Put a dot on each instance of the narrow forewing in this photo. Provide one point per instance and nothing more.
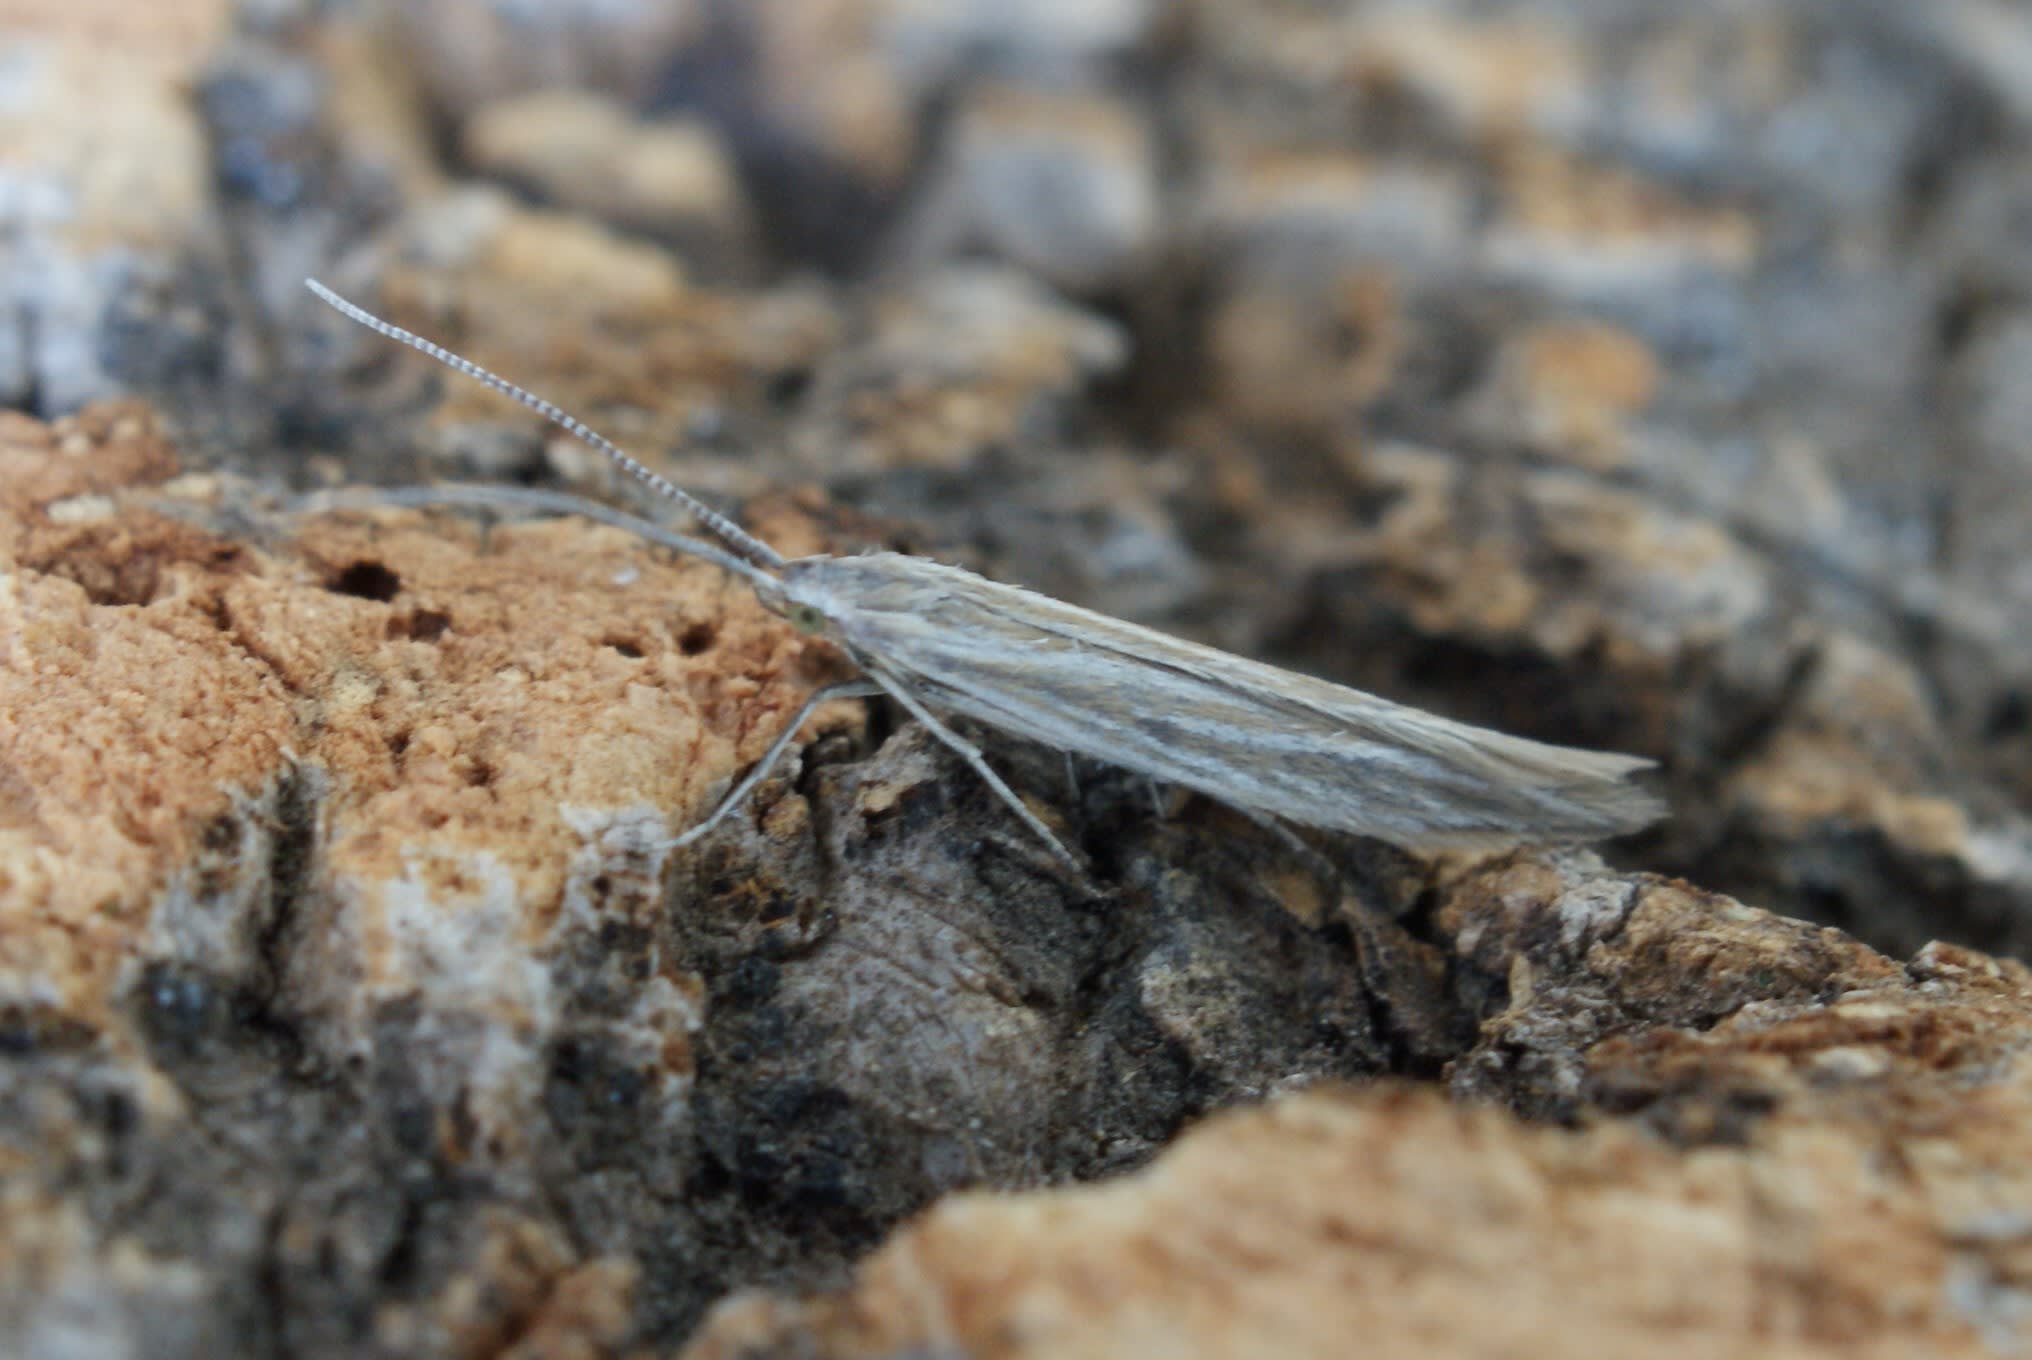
(1252, 735)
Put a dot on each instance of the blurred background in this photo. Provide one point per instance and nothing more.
(1628, 374)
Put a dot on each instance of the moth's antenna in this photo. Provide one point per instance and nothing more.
(728, 532)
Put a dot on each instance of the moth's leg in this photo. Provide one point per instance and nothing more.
(1277, 827)
(1157, 800)
(900, 692)
(1071, 777)
(846, 689)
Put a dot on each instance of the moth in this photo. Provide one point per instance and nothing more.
(1271, 743)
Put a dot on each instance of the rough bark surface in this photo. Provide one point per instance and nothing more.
(1628, 376)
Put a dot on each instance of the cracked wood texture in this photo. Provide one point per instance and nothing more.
(1638, 377)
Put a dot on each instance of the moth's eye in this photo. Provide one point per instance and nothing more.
(805, 619)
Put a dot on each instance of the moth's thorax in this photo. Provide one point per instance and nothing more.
(843, 587)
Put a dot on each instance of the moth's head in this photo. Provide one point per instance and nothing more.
(800, 597)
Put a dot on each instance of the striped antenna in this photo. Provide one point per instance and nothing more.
(744, 544)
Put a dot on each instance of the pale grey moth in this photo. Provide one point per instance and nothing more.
(1269, 742)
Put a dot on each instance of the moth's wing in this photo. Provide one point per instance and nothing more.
(1249, 734)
